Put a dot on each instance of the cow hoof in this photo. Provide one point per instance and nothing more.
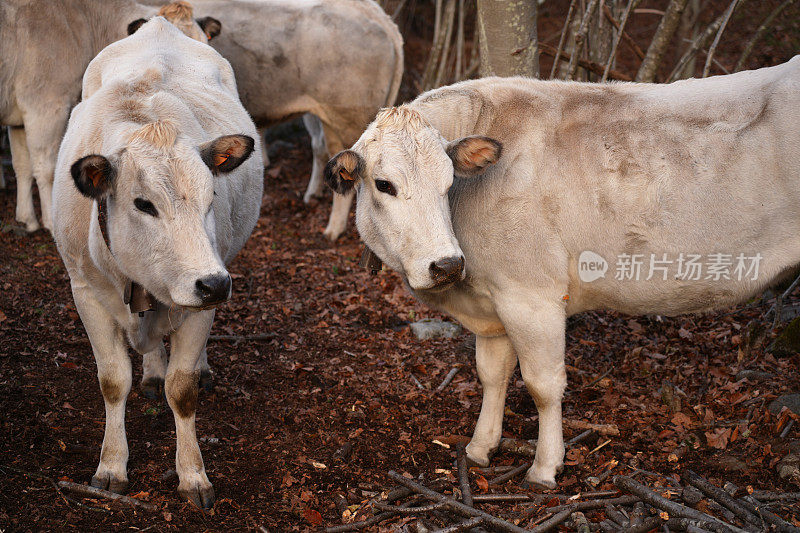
(539, 482)
(107, 481)
(478, 457)
(201, 497)
(153, 388)
(31, 227)
(206, 381)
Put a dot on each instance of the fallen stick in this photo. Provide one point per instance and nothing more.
(588, 505)
(241, 338)
(405, 510)
(580, 438)
(518, 447)
(486, 498)
(615, 515)
(447, 379)
(463, 475)
(606, 430)
(417, 382)
(466, 525)
(455, 505)
(502, 478)
(94, 492)
(393, 495)
(552, 523)
(643, 526)
(692, 478)
(772, 496)
(673, 508)
(580, 523)
(754, 505)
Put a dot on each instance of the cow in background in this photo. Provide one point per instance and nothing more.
(336, 62)
(46, 47)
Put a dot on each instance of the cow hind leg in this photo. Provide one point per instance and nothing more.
(320, 154)
(496, 361)
(262, 138)
(340, 210)
(206, 375)
(21, 162)
(154, 369)
(537, 332)
(181, 386)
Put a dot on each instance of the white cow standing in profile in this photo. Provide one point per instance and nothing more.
(545, 171)
(158, 185)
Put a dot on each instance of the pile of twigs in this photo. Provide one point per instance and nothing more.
(692, 504)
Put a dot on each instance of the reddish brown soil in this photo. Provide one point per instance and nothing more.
(337, 371)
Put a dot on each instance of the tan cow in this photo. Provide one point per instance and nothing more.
(155, 191)
(338, 60)
(642, 198)
(46, 47)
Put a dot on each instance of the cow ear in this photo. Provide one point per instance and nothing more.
(93, 175)
(225, 153)
(472, 155)
(210, 26)
(343, 171)
(135, 25)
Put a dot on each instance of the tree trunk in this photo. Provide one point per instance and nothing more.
(662, 38)
(508, 38)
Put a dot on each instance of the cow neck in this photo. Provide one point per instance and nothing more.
(135, 296)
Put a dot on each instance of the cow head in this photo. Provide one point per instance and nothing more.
(180, 14)
(159, 190)
(403, 169)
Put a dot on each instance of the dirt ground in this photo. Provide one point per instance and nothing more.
(336, 368)
(338, 371)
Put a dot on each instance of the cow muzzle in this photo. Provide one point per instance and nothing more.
(446, 271)
(213, 290)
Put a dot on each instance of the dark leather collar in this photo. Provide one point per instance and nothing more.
(370, 261)
(135, 296)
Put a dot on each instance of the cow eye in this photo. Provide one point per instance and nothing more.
(385, 186)
(145, 206)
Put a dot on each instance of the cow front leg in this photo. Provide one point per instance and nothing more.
(496, 361)
(536, 330)
(181, 386)
(21, 162)
(154, 369)
(115, 376)
(320, 154)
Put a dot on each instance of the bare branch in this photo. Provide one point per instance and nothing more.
(564, 32)
(710, 56)
(661, 39)
(701, 42)
(597, 68)
(456, 506)
(580, 38)
(94, 492)
(762, 29)
(620, 34)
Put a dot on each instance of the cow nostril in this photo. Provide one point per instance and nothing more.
(446, 270)
(214, 288)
